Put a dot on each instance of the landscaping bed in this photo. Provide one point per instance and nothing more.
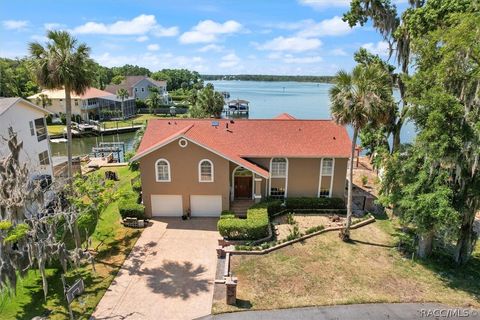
(284, 225)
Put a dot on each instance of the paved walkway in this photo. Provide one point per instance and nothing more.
(378, 311)
(168, 275)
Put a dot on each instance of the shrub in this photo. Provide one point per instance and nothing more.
(364, 180)
(294, 233)
(227, 214)
(254, 227)
(290, 219)
(137, 186)
(314, 203)
(314, 229)
(128, 207)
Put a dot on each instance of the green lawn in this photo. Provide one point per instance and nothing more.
(55, 129)
(114, 242)
(326, 271)
(138, 120)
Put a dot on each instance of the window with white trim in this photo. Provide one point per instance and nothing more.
(32, 129)
(327, 167)
(205, 171)
(279, 168)
(162, 170)
(40, 129)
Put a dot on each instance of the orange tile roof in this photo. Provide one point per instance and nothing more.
(239, 140)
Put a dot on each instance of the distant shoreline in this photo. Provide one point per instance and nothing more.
(269, 78)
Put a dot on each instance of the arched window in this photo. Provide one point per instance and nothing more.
(162, 170)
(205, 171)
(279, 168)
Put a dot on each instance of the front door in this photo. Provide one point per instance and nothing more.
(243, 188)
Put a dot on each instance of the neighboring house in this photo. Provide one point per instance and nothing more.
(202, 166)
(94, 104)
(138, 87)
(28, 122)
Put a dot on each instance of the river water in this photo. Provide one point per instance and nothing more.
(303, 100)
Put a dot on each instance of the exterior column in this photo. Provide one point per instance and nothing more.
(258, 189)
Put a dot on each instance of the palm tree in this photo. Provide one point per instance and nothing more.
(63, 64)
(210, 102)
(356, 100)
(122, 94)
(154, 99)
(43, 100)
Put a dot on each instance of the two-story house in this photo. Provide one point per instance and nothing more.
(28, 122)
(139, 87)
(94, 104)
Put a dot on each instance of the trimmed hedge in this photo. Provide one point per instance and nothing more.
(254, 227)
(314, 203)
(227, 214)
(129, 208)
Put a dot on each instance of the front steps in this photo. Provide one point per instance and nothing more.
(240, 207)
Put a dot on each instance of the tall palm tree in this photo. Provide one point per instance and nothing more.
(43, 100)
(63, 64)
(356, 100)
(122, 94)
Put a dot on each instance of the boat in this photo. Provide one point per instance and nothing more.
(59, 140)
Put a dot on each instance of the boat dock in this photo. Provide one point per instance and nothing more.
(236, 107)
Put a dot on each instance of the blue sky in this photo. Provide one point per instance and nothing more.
(214, 37)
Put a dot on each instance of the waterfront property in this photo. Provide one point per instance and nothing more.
(28, 123)
(94, 104)
(139, 87)
(204, 166)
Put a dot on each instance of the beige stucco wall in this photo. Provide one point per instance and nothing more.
(58, 106)
(184, 174)
(339, 177)
(303, 177)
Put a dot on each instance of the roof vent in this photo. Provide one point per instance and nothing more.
(215, 123)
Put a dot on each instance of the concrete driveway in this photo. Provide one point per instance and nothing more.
(168, 275)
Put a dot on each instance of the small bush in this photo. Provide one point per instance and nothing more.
(290, 219)
(137, 186)
(364, 180)
(314, 203)
(294, 233)
(314, 229)
(128, 207)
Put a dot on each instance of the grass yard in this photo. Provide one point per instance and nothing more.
(138, 120)
(325, 271)
(113, 243)
(55, 129)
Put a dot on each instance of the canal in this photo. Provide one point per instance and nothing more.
(82, 146)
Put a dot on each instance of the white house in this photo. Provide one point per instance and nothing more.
(28, 122)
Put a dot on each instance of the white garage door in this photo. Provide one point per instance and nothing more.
(167, 205)
(206, 206)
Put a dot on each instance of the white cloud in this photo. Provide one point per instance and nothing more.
(328, 27)
(208, 31)
(302, 60)
(230, 60)
(142, 39)
(380, 48)
(211, 47)
(294, 44)
(291, 59)
(54, 26)
(160, 31)
(338, 52)
(322, 4)
(153, 47)
(15, 24)
(137, 26)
